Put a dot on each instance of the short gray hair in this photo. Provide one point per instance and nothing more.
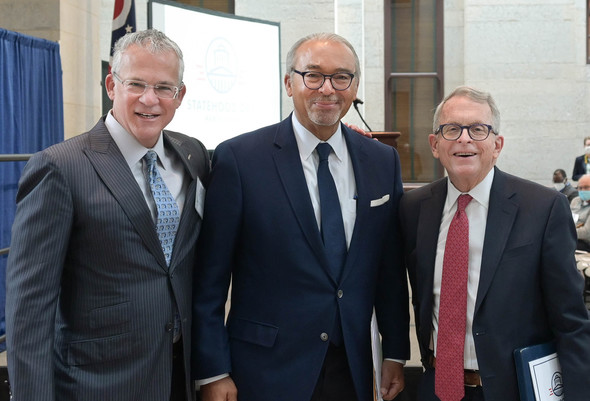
(331, 37)
(475, 95)
(153, 41)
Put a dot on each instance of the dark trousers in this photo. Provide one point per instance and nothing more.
(335, 381)
(178, 390)
(426, 389)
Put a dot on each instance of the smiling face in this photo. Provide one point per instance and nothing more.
(467, 161)
(320, 110)
(145, 116)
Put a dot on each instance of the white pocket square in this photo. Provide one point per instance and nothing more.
(380, 201)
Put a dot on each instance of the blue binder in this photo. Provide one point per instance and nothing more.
(522, 357)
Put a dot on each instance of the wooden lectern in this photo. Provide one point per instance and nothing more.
(386, 137)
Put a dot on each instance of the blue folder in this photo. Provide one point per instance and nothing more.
(522, 357)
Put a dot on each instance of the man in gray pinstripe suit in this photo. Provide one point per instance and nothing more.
(94, 311)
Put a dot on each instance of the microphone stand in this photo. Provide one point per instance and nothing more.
(356, 102)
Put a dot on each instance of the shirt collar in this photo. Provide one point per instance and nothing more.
(131, 149)
(481, 192)
(307, 142)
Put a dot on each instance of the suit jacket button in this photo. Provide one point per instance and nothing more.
(340, 293)
(324, 336)
(169, 326)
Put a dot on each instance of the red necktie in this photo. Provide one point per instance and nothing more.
(452, 313)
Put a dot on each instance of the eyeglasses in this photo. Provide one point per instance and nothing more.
(452, 132)
(340, 81)
(135, 87)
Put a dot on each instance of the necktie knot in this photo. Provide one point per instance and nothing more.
(463, 201)
(151, 158)
(324, 150)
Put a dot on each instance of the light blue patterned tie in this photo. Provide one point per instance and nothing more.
(168, 213)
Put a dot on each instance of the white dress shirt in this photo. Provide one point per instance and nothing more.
(169, 164)
(340, 167)
(477, 213)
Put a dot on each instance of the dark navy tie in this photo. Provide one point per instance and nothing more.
(332, 227)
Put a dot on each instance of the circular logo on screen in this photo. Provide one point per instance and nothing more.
(221, 65)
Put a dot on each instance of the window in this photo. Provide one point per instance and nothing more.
(414, 81)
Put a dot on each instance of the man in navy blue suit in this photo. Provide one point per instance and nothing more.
(522, 286)
(581, 163)
(299, 324)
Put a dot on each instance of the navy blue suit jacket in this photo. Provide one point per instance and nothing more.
(579, 168)
(529, 292)
(260, 229)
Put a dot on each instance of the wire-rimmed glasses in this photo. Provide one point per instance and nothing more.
(136, 87)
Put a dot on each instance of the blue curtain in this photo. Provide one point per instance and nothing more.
(31, 118)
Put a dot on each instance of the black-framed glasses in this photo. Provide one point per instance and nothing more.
(313, 80)
(477, 132)
(136, 87)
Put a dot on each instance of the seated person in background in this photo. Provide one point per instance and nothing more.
(582, 163)
(580, 210)
(562, 185)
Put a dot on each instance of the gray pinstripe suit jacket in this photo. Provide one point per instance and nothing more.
(90, 299)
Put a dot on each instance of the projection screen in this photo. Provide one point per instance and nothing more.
(232, 70)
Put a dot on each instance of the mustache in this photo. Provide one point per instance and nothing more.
(325, 99)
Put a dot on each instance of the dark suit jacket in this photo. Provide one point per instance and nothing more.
(579, 168)
(529, 290)
(90, 300)
(569, 191)
(260, 227)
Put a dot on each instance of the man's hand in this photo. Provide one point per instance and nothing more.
(220, 390)
(392, 379)
(359, 130)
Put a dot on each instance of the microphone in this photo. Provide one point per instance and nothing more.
(356, 103)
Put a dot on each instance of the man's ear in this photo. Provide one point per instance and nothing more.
(288, 87)
(433, 141)
(109, 83)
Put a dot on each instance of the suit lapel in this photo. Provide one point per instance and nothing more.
(110, 165)
(187, 228)
(183, 152)
(501, 215)
(288, 163)
(429, 217)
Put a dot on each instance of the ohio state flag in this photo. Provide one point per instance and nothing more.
(123, 22)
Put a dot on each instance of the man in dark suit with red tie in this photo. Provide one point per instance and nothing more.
(507, 276)
(302, 216)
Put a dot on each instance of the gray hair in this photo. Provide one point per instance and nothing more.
(475, 95)
(151, 40)
(331, 37)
